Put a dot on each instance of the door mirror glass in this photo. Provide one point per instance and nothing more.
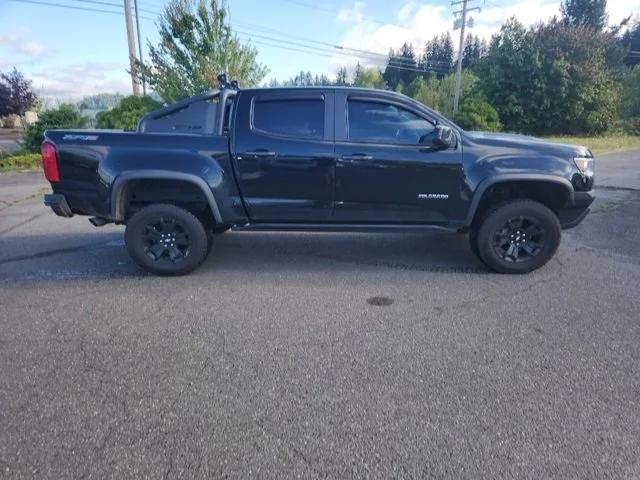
(441, 137)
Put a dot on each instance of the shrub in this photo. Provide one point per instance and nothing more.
(26, 161)
(127, 114)
(630, 94)
(631, 126)
(65, 116)
(438, 93)
(476, 114)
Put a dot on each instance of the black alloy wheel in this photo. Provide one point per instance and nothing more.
(166, 239)
(519, 240)
(516, 236)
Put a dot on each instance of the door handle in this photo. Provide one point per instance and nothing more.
(356, 157)
(261, 153)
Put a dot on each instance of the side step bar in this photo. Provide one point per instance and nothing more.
(340, 227)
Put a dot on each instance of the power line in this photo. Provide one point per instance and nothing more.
(328, 54)
(357, 51)
(279, 43)
(300, 3)
(110, 4)
(73, 7)
(333, 49)
(336, 49)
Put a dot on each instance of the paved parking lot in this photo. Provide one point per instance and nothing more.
(319, 355)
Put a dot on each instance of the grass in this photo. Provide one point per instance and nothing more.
(605, 144)
(19, 162)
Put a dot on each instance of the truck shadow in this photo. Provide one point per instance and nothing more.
(417, 252)
(104, 255)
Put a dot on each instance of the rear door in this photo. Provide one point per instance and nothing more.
(387, 169)
(283, 146)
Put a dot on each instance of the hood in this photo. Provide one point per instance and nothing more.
(526, 142)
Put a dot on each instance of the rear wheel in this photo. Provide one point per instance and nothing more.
(166, 240)
(473, 242)
(518, 236)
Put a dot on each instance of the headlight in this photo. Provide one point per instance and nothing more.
(586, 165)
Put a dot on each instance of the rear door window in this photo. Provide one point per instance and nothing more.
(301, 118)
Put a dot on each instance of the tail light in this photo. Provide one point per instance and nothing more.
(50, 162)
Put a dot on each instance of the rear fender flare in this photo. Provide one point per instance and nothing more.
(514, 177)
(118, 206)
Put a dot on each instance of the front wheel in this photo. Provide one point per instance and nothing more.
(166, 240)
(518, 236)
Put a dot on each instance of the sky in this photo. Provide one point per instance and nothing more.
(70, 53)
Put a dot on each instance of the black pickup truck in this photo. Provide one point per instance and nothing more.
(316, 159)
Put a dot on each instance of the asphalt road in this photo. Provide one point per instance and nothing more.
(319, 355)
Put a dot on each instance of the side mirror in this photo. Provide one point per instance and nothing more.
(443, 137)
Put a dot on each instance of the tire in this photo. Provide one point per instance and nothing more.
(166, 240)
(518, 236)
(473, 242)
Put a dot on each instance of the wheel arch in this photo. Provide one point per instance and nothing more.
(536, 183)
(126, 179)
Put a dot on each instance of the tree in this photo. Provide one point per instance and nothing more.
(438, 93)
(438, 55)
(101, 101)
(127, 114)
(16, 94)
(342, 77)
(510, 76)
(196, 44)
(5, 100)
(585, 13)
(474, 50)
(552, 78)
(402, 67)
(65, 116)
(476, 114)
(630, 94)
(630, 42)
(368, 78)
(583, 96)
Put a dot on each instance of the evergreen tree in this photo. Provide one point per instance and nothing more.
(402, 67)
(585, 13)
(630, 41)
(342, 77)
(474, 50)
(438, 56)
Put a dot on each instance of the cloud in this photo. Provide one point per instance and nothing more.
(16, 45)
(354, 14)
(417, 22)
(73, 81)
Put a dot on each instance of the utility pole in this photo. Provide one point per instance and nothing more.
(132, 47)
(463, 24)
(144, 83)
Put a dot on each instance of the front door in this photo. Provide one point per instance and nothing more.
(387, 169)
(284, 154)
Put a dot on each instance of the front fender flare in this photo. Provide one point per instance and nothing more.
(117, 198)
(514, 177)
